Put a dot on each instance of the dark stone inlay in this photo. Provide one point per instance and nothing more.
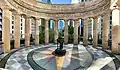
(49, 63)
(116, 60)
(32, 63)
(4, 60)
(74, 62)
(107, 67)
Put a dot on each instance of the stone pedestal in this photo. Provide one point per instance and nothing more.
(95, 32)
(17, 34)
(105, 31)
(27, 31)
(6, 29)
(46, 32)
(56, 31)
(66, 32)
(85, 33)
(59, 62)
(37, 31)
(76, 31)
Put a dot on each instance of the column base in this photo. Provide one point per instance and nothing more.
(94, 46)
(85, 44)
(46, 43)
(65, 43)
(37, 44)
(28, 46)
(75, 43)
(55, 42)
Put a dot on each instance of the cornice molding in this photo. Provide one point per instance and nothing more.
(66, 11)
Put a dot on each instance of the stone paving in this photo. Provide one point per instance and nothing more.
(77, 57)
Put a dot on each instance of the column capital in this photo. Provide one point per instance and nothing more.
(86, 20)
(95, 17)
(66, 20)
(115, 7)
(105, 13)
(26, 16)
(56, 20)
(5, 7)
(37, 18)
(118, 8)
(16, 13)
(47, 19)
(76, 19)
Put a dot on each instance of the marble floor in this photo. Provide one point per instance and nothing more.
(78, 57)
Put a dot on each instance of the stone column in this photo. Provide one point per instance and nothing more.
(17, 34)
(116, 31)
(66, 32)
(37, 22)
(27, 31)
(85, 33)
(6, 29)
(95, 32)
(56, 31)
(80, 27)
(105, 31)
(76, 31)
(46, 32)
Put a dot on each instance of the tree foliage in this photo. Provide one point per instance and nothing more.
(51, 36)
(70, 34)
(41, 35)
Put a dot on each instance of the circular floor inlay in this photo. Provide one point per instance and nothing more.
(75, 58)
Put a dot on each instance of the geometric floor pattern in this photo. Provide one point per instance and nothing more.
(77, 57)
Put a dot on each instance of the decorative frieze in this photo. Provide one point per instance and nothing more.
(91, 8)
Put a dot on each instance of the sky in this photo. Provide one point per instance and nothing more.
(61, 1)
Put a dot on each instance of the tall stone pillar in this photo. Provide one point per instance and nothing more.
(116, 31)
(17, 34)
(37, 22)
(56, 31)
(27, 31)
(6, 29)
(76, 31)
(105, 31)
(46, 32)
(95, 32)
(66, 32)
(80, 27)
(85, 33)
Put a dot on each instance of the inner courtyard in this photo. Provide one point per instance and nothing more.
(41, 35)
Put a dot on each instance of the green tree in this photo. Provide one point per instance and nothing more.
(51, 36)
(61, 34)
(70, 34)
(41, 35)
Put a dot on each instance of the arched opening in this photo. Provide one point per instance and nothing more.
(42, 31)
(61, 28)
(70, 31)
(51, 31)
